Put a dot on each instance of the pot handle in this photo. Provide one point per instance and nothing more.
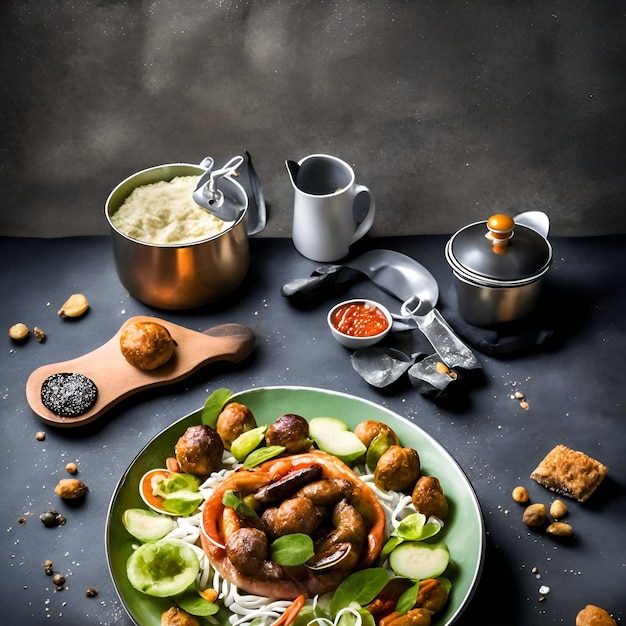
(537, 220)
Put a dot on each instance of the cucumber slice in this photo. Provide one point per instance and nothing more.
(147, 525)
(417, 559)
(163, 568)
(246, 442)
(332, 435)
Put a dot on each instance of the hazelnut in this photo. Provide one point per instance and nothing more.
(535, 515)
(520, 494)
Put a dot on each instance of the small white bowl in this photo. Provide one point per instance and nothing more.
(359, 341)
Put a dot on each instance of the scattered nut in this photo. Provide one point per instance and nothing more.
(40, 435)
(442, 368)
(593, 615)
(75, 306)
(50, 518)
(71, 468)
(18, 332)
(559, 529)
(524, 405)
(58, 580)
(39, 334)
(519, 395)
(91, 592)
(535, 515)
(520, 494)
(558, 509)
(48, 571)
(47, 563)
(70, 488)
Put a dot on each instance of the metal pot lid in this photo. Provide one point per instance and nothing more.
(499, 251)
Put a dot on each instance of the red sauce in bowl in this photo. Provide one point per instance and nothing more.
(359, 319)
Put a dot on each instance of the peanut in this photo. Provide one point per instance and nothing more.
(558, 509)
(75, 306)
(535, 515)
(560, 529)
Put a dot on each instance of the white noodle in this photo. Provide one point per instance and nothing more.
(249, 607)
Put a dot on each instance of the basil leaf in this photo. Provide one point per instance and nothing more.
(361, 587)
(408, 599)
(214, 405)
(196, 605)
(231, 499)
(392, 543)
(293, 549)
(262, 454)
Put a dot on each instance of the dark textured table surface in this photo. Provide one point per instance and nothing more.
(574, 387)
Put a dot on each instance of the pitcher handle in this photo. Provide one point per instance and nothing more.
(368, 220)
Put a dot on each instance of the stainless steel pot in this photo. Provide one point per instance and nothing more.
(498, 267)
(180, 276)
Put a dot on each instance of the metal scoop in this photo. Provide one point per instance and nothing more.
(209, 197)
(405, 278)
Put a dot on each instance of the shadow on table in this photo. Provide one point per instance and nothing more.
(494, 599)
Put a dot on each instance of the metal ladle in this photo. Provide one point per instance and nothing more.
(209, 197)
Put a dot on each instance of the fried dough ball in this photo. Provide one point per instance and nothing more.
(234, 420)
(147, 345)
(428, 497)
(199, 451)
(291, 431)
(178, 617)
(397, 469)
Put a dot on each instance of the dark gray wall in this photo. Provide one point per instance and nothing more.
(449, 111)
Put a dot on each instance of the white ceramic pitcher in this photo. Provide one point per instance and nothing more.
(324, 222)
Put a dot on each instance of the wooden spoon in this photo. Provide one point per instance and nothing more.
(116, 379)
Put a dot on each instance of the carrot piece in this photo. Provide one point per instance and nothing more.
(210, 595)
(172, 464)
(291, 612)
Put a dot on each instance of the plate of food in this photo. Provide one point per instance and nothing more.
(310, 505)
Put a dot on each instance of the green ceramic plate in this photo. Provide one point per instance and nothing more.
(464, 532)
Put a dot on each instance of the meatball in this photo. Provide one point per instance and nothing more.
(248, 550)
(367, 430)
(397, 469)
(290, 431)
(234, 420)
(199, 451)
(428, 497)
(295, 515)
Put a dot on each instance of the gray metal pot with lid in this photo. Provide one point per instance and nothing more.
(499, 265)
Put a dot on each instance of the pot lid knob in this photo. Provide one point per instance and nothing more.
(500, 230)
